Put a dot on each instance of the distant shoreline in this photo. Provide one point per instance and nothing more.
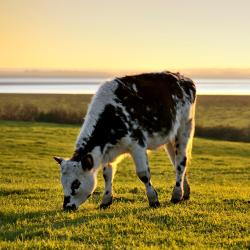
(78, 85)
(96, 80)
(218, 73)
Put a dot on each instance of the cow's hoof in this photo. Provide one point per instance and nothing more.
(106, 202)
(175, 201)
(155, 204)
(177, 195)
(106, 205)
(186, 197)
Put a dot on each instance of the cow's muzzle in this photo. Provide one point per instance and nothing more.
(67, 207)
(70, 208)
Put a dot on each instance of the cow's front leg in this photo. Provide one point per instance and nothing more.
(108, 175)
(140, 157)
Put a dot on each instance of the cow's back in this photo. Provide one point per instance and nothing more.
(152, 99)
(138, 107)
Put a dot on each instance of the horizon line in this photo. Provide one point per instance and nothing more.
(194, 72)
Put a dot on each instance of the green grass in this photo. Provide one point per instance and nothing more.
(31, 216)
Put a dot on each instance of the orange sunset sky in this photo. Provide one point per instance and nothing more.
(124, 35)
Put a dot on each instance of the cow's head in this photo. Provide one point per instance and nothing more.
(78, 180)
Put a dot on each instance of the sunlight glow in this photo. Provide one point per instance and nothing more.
(112, 35)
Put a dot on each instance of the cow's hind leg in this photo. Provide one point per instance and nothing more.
(183, 146)
(172, 150)
(108, 175)
(140, 157)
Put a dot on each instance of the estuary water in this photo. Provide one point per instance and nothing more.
(68, 85)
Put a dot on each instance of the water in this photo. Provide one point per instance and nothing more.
(50, 85)
(90, 85)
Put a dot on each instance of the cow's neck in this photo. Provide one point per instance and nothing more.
(97, 156)
(92, 143)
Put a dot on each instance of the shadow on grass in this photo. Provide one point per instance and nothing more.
(28, 225)
(29, 230)
(42, 224)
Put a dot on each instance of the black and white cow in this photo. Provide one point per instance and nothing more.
(130, 115)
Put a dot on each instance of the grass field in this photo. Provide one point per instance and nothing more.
(31, 216)
(217, 117)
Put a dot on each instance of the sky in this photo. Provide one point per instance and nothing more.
(124, 35)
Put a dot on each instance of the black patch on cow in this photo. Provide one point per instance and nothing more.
(138, 136)
(144, 179)
(87, 162)
(105, 177)
(76, 155)
(189, 88)
(75, 185)
(183, 163)
(70, 208)
(102, 133)
(66, 201)
(178, 184)
(111, 119)
(148, 95)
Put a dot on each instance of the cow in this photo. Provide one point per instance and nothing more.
(132, 114)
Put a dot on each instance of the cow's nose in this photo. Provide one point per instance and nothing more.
(69, 208)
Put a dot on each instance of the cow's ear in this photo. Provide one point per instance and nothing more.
(87, 162)
(58, 159)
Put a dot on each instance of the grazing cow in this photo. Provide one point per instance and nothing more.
(130, 115)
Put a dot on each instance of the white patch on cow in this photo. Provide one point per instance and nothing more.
(105, 95)
(120, 148)
(96, 154)
(175, 98)
(135, 125)
(134, 87)
(124, 111)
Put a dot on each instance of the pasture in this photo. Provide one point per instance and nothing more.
(211, 111)
(31, 216)
(217, 117)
